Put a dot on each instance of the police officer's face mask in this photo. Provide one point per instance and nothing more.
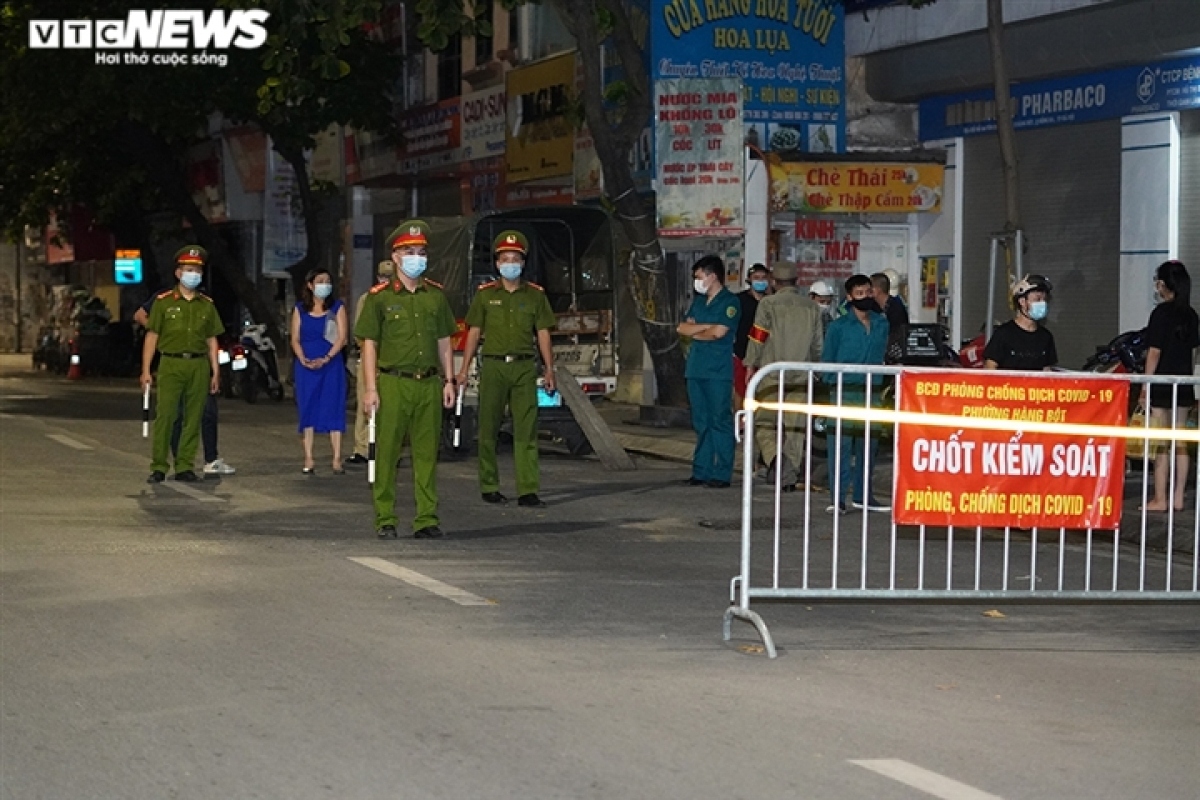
(412, 266)
(510, 271)
(190, 279)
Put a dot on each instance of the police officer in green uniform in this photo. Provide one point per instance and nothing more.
(509, 313)
(183, 327)
(408, 368)
(711, 322)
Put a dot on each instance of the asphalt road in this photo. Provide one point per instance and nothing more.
(250, 638)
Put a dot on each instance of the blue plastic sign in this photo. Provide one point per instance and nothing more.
(127, 266)
(789, 54)
(1163, 86)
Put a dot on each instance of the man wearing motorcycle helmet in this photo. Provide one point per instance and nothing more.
(1024, 343)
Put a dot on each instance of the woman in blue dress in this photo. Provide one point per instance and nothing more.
(319, 335)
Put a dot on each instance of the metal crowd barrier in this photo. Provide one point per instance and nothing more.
(798, 551)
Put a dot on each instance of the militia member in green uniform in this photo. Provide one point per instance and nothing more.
(183, 327)
(509, 313)
(407, 368)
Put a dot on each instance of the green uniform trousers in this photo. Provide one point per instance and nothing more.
(513, 384)
(766, 434)
(409, 409)
(179, 379)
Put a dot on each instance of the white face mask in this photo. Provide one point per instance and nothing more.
(700, 285)
(412, 266)
(191, 280)
(323, 290)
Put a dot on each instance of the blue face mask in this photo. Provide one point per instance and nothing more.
(412, 266)
(510, 272)
(190, 280)
(323, 290)
(1037, 310)
(759, 286)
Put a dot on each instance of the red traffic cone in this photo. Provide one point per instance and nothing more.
(76, 370)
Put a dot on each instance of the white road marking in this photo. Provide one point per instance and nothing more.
(460, 596)
(195, 494)
(922, 779)
(24, 397)
(62, 438)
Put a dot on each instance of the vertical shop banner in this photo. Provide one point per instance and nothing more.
(1023, 478)
(790, 57)
(539, 135)
(482, 124)
(700, 164)
(826, 248)
(285, 240)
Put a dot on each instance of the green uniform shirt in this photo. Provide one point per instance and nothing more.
(182, 325)
(508, 319)
(406, 325)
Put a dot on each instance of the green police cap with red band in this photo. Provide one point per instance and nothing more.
(510, 242)
(191, 256)
(414, 233)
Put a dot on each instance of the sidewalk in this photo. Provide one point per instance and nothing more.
(11, 363)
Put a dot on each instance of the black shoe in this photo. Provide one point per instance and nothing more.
(717, 484)
(494, 498)
(788, 487)
(531, 501)
(187, 476)
(356, 460)
(694, 482)
(387, 532)
(432, 532)
(156, 477)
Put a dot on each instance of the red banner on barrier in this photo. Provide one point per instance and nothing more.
(968, 477)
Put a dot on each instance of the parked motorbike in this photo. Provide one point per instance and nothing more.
(261, 370)
(1124, 354)
(231, 358)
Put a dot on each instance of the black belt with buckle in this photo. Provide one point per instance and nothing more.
(510, 359)
(184, 355)
(419, 375)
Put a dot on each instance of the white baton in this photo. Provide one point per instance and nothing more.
(371, 448)
(146, 413)
(458, 418)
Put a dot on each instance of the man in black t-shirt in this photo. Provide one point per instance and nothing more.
(1023, 343)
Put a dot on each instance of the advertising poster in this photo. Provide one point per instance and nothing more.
(1025, 478)
(790, 57)
(284, 238)
(431, 136)
(856, 188)
(539, 135)
(700, 165)
(826, 248)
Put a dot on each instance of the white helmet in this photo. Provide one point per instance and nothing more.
(893, 281)
(821, 289)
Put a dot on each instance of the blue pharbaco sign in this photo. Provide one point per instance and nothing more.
(1163, 86)
(789, 54)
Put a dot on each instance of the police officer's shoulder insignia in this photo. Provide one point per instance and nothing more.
(534, 285)
(379, 287)
(206, 297)
(164, 295)
(488, 285)
(434, 284)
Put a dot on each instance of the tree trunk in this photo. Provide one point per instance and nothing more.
(145, 147)
(648, 279)
(1004, 117)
